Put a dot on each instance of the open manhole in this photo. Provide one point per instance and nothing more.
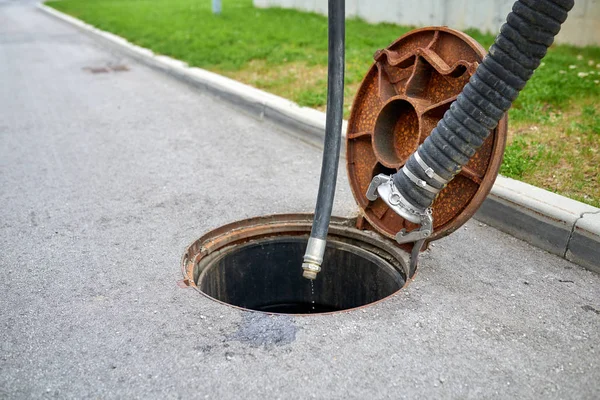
(256, 265)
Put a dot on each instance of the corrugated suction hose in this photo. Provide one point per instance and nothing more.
(517, 51)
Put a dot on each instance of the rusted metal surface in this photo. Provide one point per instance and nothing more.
(401, 99)
(202, 251)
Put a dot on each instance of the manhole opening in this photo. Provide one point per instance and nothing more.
(265, 275)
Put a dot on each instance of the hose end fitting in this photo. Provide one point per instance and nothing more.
(313, 257)
(309, 273)
(383, 186)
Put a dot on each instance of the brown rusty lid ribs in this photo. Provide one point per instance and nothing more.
(401, 99)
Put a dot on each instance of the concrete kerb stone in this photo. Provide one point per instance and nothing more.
(557, 224)
(258, 103)
(584, 246)
(540, 217)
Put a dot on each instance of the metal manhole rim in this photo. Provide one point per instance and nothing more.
(302, 224)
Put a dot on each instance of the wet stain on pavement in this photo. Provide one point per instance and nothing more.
(258, 329)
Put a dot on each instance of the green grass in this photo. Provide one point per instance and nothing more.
(521, 157)
(561, 154)
(554, 122)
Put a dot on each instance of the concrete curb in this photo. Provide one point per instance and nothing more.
(559, 225)
(256, 102)
(544, 219)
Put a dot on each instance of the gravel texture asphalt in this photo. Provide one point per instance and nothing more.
(106, 177)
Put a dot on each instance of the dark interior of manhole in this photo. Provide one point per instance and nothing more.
(266, 275)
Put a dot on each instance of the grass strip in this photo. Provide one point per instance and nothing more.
(555, 123)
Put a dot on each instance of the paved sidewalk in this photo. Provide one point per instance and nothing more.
(106, 177)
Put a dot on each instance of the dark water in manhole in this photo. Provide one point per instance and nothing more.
(266, 275)
(296, 308)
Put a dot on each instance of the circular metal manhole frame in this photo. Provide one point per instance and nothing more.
(405, 67)
(221, 240)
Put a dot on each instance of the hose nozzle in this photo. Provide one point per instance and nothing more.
(313, 258)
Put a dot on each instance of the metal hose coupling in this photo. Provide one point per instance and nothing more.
(313, 257)
(383, 186)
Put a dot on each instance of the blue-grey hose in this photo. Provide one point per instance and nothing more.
(333, 138)
(517, 51)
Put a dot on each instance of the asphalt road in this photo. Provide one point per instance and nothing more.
(106, 177)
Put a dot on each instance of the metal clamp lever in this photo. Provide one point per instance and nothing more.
(417, 236)
(423, 232)
(382, 185)
(377, 181)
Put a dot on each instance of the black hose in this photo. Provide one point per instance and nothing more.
(516, 53)
(313, 257)
(333, 123)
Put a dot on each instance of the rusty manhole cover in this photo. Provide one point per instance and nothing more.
(401, 99)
